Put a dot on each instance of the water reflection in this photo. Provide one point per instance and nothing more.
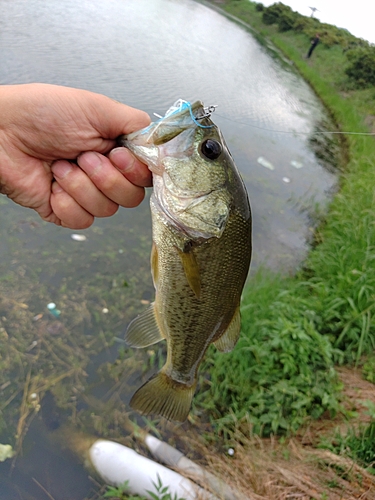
(147, 53)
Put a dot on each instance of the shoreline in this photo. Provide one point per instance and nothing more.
(329, 302)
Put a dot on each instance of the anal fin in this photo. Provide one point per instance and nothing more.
(143, 330)
(229, 339)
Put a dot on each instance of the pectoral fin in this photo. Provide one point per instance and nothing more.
(230, 337)
(143, 330)
(191, 269)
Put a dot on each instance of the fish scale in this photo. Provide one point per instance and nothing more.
(222, 281)
(201, 224)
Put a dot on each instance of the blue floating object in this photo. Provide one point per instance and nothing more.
(53, 310)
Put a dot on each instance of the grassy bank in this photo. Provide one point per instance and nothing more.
(297, 330)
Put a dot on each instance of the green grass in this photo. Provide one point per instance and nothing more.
(121, 492)
(296, 329)
(358, 443)
(281, 372)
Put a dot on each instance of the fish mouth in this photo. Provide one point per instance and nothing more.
(179, 117)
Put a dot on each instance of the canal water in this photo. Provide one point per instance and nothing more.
(73, 369)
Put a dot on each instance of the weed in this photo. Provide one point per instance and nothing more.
(162, 492)
(121, 492)
(281, 372)
(357, 443)
(368, 369)
(295, 330)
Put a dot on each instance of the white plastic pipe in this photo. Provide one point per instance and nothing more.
(116, 464)
(174, 458)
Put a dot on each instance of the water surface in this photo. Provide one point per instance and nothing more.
(148, 54)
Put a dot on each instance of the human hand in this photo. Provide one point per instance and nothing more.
(42, 127)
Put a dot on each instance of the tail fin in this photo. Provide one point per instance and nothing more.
(161, 395)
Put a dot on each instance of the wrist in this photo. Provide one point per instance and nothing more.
(4, 163)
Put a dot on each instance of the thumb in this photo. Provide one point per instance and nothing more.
(112, 118)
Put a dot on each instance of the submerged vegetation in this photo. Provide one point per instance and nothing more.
(44, 357)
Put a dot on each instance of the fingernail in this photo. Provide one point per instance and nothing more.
(89, 161)
(56, 188)
(123, 159)
(61, 168)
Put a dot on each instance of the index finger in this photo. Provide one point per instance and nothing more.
(135, 171)
(107, 179)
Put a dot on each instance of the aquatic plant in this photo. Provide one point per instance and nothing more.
(40, 353)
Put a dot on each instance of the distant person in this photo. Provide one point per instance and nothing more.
(57, 156)
(314, 43)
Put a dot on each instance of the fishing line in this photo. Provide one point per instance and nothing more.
(295, 133)
(181, 105)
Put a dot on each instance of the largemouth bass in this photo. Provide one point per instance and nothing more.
(201, 224)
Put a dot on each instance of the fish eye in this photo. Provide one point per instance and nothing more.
(211, 149)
